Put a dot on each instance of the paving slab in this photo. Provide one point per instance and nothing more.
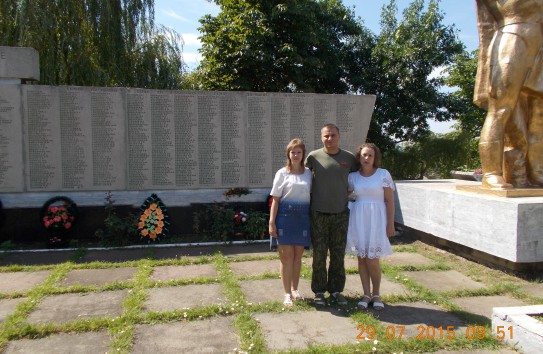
(351, 262)
(443, 281)
(415, 318)
(353, 287)
(8, 306)
(407, 259)
(298, 330)
(98, 276)
(21, 281)
(165, 273)
(184, 297)
(395, 259)
(533, 289)
(250, 249)
(73, 307)
(65, 343)
(258, 291)
(483, 305)
(307, 262)
(255, 267)
(122, 255)
(214, 335)
(119, 255)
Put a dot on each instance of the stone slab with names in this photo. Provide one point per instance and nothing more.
(77, 139)
(11, 140)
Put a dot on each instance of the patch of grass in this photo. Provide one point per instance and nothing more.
(244, 315)
(78, 255)
(405, 248)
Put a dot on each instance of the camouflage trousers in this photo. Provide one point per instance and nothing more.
(328, 233)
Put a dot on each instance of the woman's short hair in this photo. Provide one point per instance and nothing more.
(377, 152)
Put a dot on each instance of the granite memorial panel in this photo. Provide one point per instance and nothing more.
(11, 140)
(98, 139)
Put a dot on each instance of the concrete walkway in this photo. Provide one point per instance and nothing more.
(76, 298)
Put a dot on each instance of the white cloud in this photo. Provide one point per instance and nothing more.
(191, 39)
(174, 15)
(438, 72)
(192, 59)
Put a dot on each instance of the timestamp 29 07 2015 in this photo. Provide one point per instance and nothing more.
(433, 332)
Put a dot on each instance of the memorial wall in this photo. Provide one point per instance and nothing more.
(99, 139)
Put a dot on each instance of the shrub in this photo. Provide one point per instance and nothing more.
(219, 221)
(117, 231)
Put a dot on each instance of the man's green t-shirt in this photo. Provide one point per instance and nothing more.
(329, 189)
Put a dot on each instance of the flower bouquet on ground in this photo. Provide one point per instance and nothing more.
(240, 218)
(153, 220)
(251, 226)
(58, 216)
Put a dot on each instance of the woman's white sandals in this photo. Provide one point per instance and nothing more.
(377, 305)
(296, 296)
(363, 304)
(287, 301)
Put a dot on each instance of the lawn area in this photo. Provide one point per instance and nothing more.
(374, 335)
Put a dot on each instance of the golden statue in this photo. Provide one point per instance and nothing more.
(509, 85)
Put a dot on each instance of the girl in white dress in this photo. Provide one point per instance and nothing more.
(371, 221)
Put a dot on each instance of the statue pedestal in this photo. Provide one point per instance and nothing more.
(507, 193)
(484, 225)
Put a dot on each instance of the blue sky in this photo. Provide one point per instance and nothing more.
(183, 16)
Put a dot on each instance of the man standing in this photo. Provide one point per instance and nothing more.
(329, 214)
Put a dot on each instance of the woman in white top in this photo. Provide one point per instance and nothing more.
(371, 221)
(289, 217)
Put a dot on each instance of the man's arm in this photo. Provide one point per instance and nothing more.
(487, 25)
(308, 160)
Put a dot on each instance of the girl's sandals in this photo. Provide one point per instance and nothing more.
(287, 301)
(296, 296)
(363, 304)
(377, 305)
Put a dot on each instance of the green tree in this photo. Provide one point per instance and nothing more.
(462, 77)
(405, 59)
(95, 42)
(8, 12)
(319, 46)
(470, 117)
(432, 156)
(278, 46)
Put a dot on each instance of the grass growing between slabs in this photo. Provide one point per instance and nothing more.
(374, 335)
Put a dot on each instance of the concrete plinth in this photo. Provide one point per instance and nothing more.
(19, 63)
(517, 327)
(506, 228)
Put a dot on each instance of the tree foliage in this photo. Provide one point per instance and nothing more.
(319, 46)
(278, 46)
(462, 76)
(95, 42)
(432, 156)
(407, 55)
